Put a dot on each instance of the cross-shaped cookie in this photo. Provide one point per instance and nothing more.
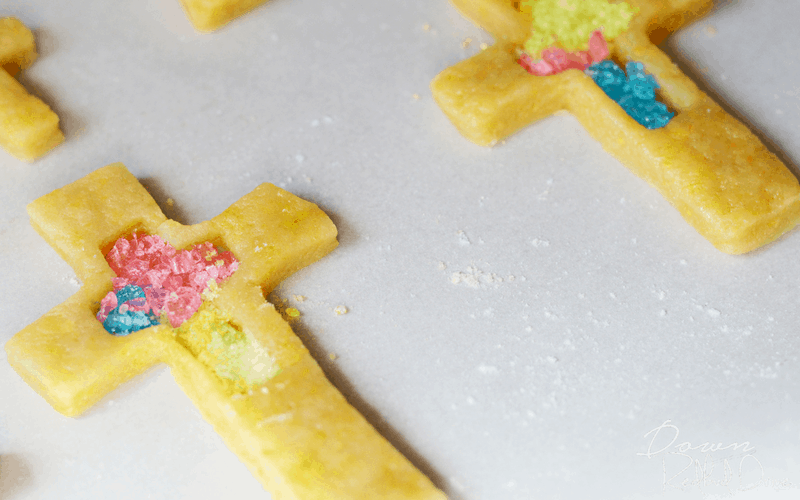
(295, 431)
(721, 178)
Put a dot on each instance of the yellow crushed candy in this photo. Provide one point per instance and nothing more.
(233, 355)
(569, 23)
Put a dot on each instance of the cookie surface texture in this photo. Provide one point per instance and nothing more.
(707, 164)
(28, 127)
(295, 431)
(208, 15)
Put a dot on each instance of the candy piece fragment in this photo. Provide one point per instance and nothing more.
(636, 94)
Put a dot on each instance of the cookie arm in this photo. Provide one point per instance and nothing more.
(28, 127)
(208, 15)
(17, 46)
(490, 96)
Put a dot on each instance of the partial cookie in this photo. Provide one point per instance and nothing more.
(720, 176)
(275, 409)
(208, 15)
(28, 127)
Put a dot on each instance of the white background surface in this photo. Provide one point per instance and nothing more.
(599, 313)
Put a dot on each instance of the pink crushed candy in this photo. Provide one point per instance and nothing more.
(555, 60)
(172, 280)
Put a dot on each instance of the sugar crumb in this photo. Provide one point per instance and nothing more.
(540, 243)
(475, 278)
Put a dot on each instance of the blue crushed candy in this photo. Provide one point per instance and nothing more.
(636, 93)
(122, 320)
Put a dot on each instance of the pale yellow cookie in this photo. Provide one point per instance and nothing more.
(28, 127)
(208, 15)
(295, 431)
(707, 164)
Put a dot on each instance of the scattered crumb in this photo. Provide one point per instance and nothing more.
(340, 310)
(170, 202)
(710, 30)
(415, 97)
(299, 298)
(466, 43)
(540, 243)
(292, 312)
(426, 27)
(487, 369)
(333, 356)
(475, 278)
(484, 46)
(441, 266)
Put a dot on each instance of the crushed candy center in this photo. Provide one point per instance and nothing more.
(569, 24)
(156, 283)
(573, 34)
